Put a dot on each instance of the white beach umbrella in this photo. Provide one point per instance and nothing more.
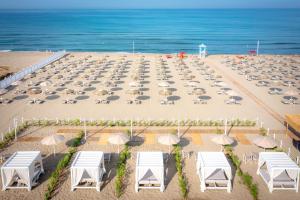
(163, 84)
(168, 139)
(134, 84)
(222, 84)
(265, 142)
(45, 83)
(118, 139)
(53, 140)
(192, 83)
(232, 93)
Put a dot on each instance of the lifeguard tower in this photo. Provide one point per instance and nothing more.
(202, 50)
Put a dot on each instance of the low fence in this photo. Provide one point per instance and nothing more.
(28, 70)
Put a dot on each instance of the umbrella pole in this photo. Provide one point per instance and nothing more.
(226, 127)
(178, 131)
(54, 150)
(131, 129)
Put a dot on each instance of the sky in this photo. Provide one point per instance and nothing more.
(145, 4)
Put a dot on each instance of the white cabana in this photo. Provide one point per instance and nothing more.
(278, 171)
(87, 170)
(149, 171)
(214, 171)
(22, 170)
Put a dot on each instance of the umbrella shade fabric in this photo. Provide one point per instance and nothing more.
(192, 83)
(118, 138)
(46, 83)
(168, 139)
(53, 139)
(163, 84)
(265, 142)
(134, 84)
(223, 139)
(232, 93)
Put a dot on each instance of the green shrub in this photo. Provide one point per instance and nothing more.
(181, 179)
(121, 171)
(246, 178)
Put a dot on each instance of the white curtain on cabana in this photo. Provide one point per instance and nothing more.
(87, 165)
(276, 163)
(208, 163)
(21, 164)
(152, 161)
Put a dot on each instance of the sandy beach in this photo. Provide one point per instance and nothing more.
(85, 73)
(150, 107)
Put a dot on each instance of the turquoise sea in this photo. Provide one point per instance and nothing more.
(158, 31)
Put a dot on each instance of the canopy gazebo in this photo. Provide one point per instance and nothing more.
(278, 171)
(214, 171)
(22, 170)
(87, 170)
(149, 171)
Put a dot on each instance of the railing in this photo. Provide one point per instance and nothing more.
(28, 70)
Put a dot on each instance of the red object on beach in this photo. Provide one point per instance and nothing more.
(181, 55)
(168, 56)
(252, 52)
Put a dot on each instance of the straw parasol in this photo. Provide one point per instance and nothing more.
(34, 91)
(168, 139)
(223, 140)
(101, 92)
(165, 92)
(265, 142)
(118, 139)
(133, 91)
(53, 140)
(198, 91)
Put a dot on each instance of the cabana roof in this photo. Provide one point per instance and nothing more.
(85, 159)
(21, 159)
(150, 159)
(213, 160)
(277, 160)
